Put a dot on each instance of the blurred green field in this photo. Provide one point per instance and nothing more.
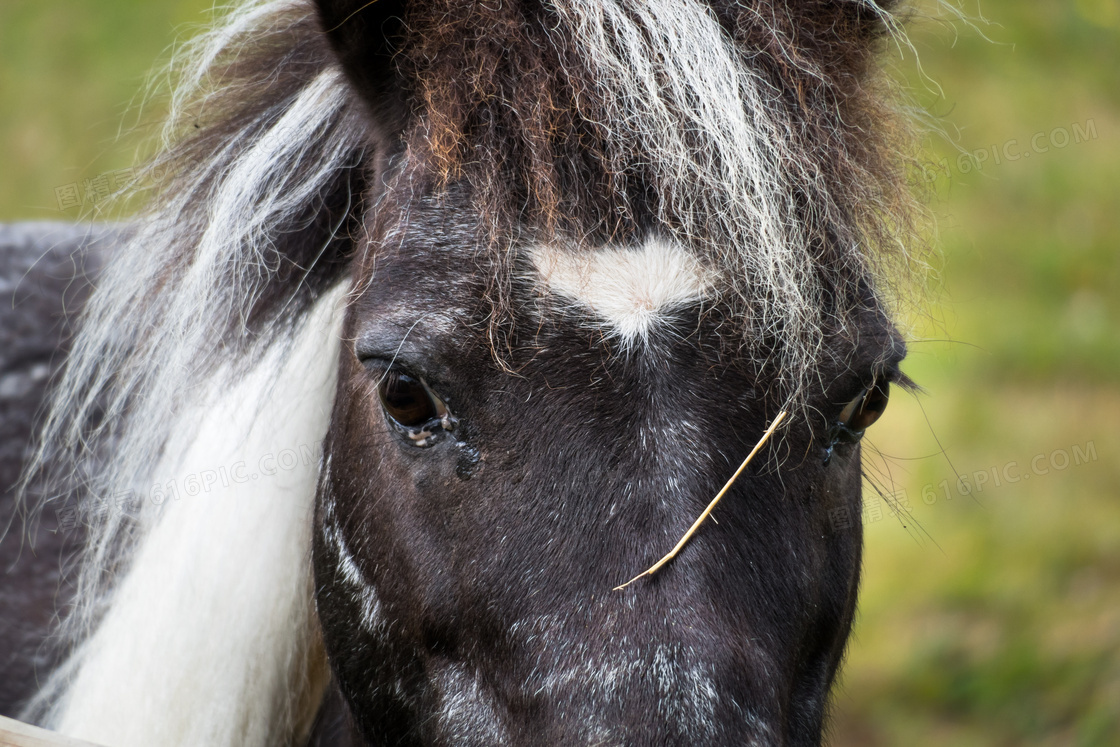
(997, 622)
(987, 618)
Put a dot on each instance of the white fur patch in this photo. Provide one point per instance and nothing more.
(611, 669)
(630, 291)
(467, 709)
(371, 614)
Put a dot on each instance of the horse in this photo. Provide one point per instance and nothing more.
(442, 321)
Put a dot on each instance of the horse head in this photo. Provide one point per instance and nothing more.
(539, 277)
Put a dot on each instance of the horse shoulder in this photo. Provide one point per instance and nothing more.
(46, 273)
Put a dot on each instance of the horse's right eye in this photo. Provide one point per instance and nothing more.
(414, 408)
(407, 400)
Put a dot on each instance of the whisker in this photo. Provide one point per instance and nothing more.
(904, 517)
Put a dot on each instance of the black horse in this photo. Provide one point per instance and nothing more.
(445, 320)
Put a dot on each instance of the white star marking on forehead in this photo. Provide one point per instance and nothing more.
(630, 290)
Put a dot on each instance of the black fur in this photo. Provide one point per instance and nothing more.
(493, 553)
(561, 482)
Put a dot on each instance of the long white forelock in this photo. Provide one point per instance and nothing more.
(211, 638)
(675, 86)
(146, 373)
(152, 351)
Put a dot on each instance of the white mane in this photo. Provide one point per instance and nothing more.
(193, 617)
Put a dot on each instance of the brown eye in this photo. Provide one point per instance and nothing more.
(857, 416)
(864, 410)
(407, 400)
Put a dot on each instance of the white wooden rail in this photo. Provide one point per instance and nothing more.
(18, 734)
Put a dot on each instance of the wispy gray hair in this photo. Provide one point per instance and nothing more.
(756, 135)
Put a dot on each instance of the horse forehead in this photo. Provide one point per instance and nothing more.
(629, 291)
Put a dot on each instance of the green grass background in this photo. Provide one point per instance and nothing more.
(985, 619)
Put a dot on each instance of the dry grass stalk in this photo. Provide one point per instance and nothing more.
(711, 506)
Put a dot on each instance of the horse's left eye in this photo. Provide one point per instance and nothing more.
(862, 412)
(858, 415)
(414, 407)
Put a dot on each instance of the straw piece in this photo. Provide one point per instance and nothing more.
(696, 524)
